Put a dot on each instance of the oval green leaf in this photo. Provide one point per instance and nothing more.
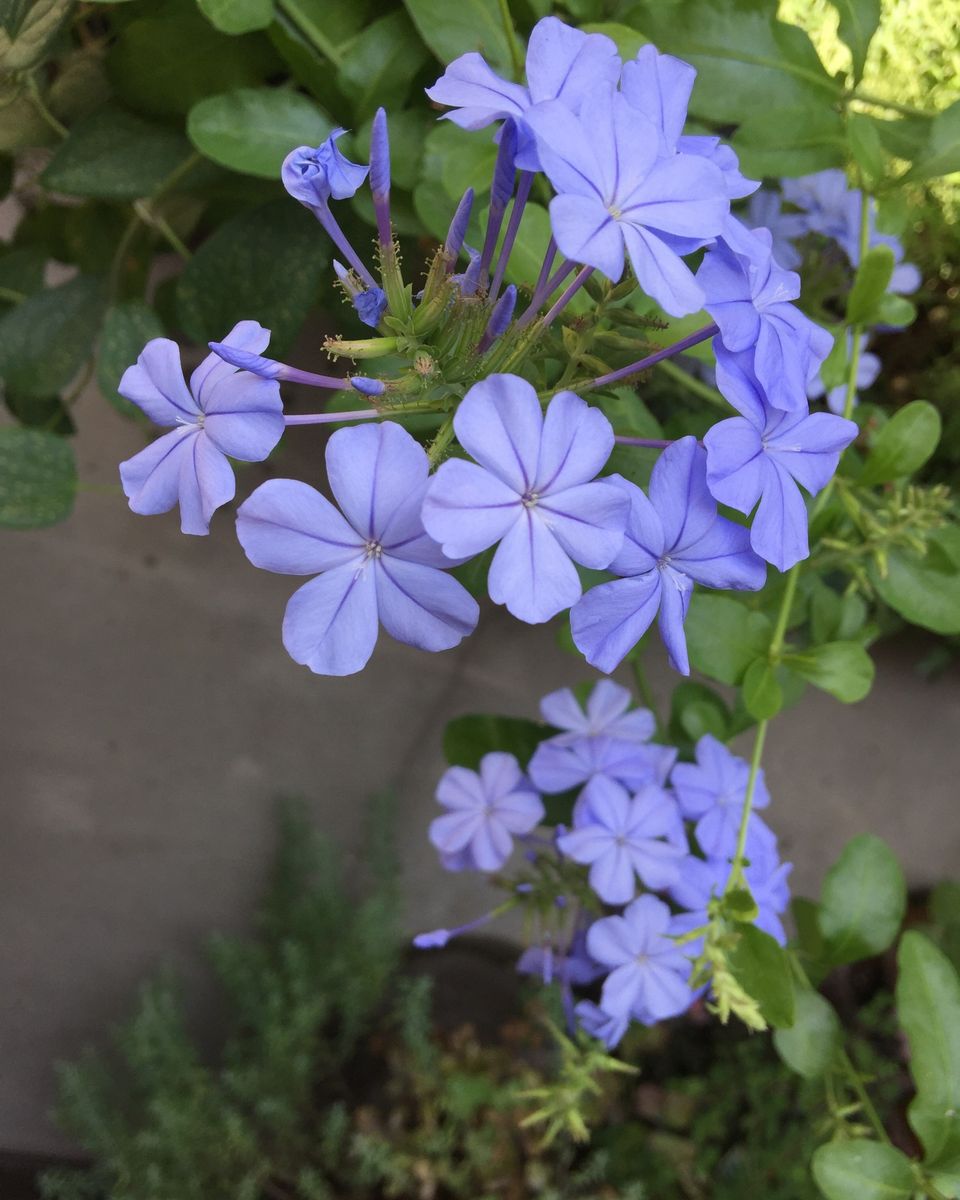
(38, 478)
(904, 444)
(862, 1170)
(863, 901)
(809, 1045)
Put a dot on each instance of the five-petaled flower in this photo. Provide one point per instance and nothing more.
(674, 539)
(764, 454)
(531, 490)
(374, 564)
(607, 713)
(314, 175)
(616, 196)
(485, 810)
(223, 412)
(623, 838)
(701, 880)
(649, 971)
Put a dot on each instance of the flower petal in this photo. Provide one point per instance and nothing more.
(679, 493)
(155, 384)
(331, 624)
(565, 150)
(375, 473)
(612, 617)
(779, 530)
(151, 479)
(467, 509)
(288, 527)
(245, 335)
(206, 483)
(736, 463)
(587, 233)
(643, 542)
(565, 64)
(481, 96)
(675, 592)
(661, 272)
(575, 444)
(422, 606)
(722, 558)
(244, 415)
(611, 941)
(659, 86)
(531, 574)
(587, 521)
(499, 423)
(612, 876)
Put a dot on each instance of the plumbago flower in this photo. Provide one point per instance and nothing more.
(748, 295)
(764, 454)
(868, 369)
(562, 64)
(223, 412)
(485, 810)
(604, 714)
(617, 196)
(531, 490)
(624, 838)
(374, 562)
(700, 880)
(674, 538)
(711, 792)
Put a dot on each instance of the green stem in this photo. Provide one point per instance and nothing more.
(440, 444)
(783, 616)
(12, 296)
(853, 1075)
(735, 878)
(311, 31)
(643, 686)
(692, 384)
(33, 91)
(516, 56)
(146, 214)
(906, 110)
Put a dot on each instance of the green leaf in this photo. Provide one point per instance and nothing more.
(408, 133)
(762, 969)
(905, 137)
(162, 64)
(762, 694)
(904, 444)
(870, 285)
(379, 65)
(863, 901)
(237, 16)
(810, 1044)
(266, 264)
(866, 147)
(696, 709)
(743, 56)
(253, 129)
(452, 29)
(45, 340)
(467, 739)
(457, 159)
(628, 40)
(126, 330)
(941, 153)
(114, 155)
(928, 1005)
(739, 905)
(858, 23)
(724, 637)
(895, 310)
(922, 588)
(861, 1170)
(844, 669)
(799, 140)
(38, 478)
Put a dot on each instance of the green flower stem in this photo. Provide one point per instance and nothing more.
(33, 91)
(516, 54)
(907, 110)
(856, 1082)
(735, 878)
(311, 31)
(441, 442)
(146, 214)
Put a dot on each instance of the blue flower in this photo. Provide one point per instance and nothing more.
(649, 971)
(749, 296)
(600, 1024)
(624, 838)
(562, 64)
(574, 966)
(673, 540)
(559, 765)
(711, 792)
(763, 455)
(617, 196)
(370, 304)
(530, 490)
(224, 411)
(484, 811)
(765, 210)
(374, 563)
(314, 175)
(605, 715)
(702, 879)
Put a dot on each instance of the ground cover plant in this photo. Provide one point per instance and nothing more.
(618, 387)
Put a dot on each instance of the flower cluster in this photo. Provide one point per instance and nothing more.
(517, 462)
(648, 836)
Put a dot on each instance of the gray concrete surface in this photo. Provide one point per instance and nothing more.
(151, 718)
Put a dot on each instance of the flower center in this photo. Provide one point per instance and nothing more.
(614, 211)
(372, 549)
(530, 499)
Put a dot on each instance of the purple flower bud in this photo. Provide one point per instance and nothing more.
(435, 940)
(469, 280)
(314, 175)
(458, 226)
(499, 319)
(379, 156)
(256, 364)
(370, 305)
(504, 172)
(344, 277)
(367, 387)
